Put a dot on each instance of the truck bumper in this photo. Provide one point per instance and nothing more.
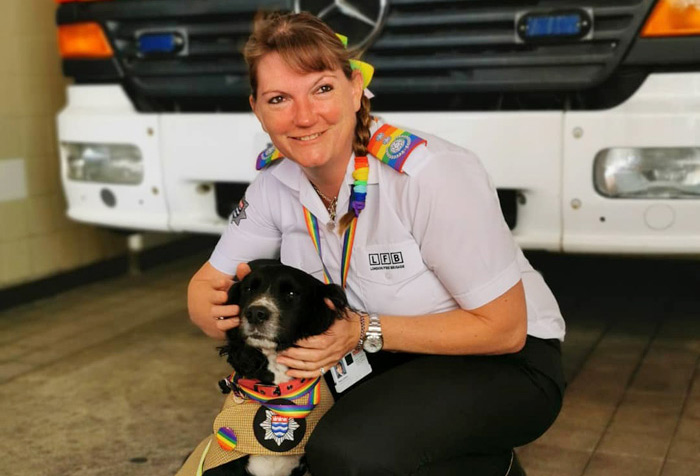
(665, 112)
(546, 156)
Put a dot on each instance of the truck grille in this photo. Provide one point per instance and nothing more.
(429, 49)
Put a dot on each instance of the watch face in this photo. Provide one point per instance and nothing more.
(373, 344)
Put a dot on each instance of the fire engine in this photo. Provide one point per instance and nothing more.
(586, 113)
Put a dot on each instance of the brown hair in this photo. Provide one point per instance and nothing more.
(306, 44)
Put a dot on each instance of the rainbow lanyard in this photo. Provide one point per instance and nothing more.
(357, 204)
(294, 390)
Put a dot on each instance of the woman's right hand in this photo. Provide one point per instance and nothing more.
(207, 294)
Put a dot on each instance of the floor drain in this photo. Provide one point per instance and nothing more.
(138, 459)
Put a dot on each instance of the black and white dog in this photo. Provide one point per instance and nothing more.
(278, 306)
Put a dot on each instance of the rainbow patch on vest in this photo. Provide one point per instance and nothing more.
(267, 156)
(393, 146)
(226, 438)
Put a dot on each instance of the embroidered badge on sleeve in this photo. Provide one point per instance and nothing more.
(267, 156)
(393, 146)
(238, 213)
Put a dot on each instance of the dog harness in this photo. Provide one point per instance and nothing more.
(260, 419)
(388, 144)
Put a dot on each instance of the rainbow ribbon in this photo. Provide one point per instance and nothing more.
(312, 227)
(347, 250)
(298, 389)
(357, 204)
(365, 69)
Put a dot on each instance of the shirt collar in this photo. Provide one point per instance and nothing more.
(290, 174)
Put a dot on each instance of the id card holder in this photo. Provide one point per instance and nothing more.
(350, 369)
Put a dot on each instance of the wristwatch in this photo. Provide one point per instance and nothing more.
(373, 338)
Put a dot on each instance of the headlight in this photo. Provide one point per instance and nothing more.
(653, 172)
(104, 163)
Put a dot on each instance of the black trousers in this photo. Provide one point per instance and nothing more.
(440, 415)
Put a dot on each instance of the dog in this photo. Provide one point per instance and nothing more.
(279, 305)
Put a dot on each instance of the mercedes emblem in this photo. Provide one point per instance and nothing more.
(359, 20)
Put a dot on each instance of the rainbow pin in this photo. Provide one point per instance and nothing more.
(226, 438)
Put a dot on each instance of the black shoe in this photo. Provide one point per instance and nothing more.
(515, 468)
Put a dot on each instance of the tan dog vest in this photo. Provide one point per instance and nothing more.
(247, 427)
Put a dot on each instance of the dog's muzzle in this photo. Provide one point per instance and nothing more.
(260, 322)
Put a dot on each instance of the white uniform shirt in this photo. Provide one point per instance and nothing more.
(429, 240)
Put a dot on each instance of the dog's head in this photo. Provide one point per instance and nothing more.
(280, 305)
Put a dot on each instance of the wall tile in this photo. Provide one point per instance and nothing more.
(92, 249)
(8, 52)
(35, 95)
(15, 262)
(35, 17)
(9, 16)
(9, 95)
(37, 55)
(69, 244)
(58, 95)
(41, 175)
(13, 220)
(40, 214)
(35, 135)
(10, 143)
(45, 255)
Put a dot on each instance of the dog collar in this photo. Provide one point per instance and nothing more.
(304, 394)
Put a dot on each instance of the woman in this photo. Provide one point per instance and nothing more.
(469, 334)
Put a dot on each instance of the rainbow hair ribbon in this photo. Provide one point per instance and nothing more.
(365, 69)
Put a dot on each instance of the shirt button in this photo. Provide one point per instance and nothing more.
(387, 274)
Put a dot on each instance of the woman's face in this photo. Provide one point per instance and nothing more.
(310, 117)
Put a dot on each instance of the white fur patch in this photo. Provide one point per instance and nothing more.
(272, 465)
(277, 369)
(262, 344)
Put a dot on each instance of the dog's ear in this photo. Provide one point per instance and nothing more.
(337, 296)
(321, 317)
(261, 263)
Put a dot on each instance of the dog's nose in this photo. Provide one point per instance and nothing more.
(257, 314)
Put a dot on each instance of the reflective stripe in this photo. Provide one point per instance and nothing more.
(200, 467)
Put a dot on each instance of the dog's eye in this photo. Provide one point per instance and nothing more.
(290, 295)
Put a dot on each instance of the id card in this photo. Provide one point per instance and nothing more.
(350, 370)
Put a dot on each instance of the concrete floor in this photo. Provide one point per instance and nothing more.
(111, 378)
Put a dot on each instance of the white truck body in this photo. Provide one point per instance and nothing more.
(547, 156)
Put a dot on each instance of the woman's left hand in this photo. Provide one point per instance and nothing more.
(313, 356)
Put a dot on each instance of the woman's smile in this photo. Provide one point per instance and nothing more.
(309, 138)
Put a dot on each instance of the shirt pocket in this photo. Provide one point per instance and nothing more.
(394, 278)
